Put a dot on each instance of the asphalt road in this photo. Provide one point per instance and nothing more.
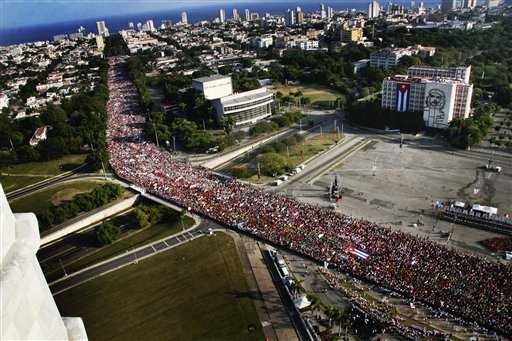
(130, 257)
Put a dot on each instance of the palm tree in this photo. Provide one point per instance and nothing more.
(315, 303)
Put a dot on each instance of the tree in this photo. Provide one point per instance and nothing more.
(107, 233)
(272, 163)
(142, 217)
(27, 154)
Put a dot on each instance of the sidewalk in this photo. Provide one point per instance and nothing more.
(275, 312)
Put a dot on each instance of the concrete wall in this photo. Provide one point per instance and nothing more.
(28, 310)
(90, 219)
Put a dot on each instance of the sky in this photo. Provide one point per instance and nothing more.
(21, 13)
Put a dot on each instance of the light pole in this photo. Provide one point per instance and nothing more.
(174, 143)
(63, 269)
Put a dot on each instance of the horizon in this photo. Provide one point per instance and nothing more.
(21, 13)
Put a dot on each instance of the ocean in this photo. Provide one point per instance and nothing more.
(195, 14)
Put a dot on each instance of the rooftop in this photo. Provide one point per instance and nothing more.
(246, 96)
(210, 78)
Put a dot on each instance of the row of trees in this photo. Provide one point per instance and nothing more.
(272, 159)
(137, 67)
(168, 130)
(370, 114)
(146, 215)
(83, 202)
(464, 133)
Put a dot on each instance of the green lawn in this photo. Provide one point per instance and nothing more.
(134, 240)
(316, 93)
(21, 175)
(40, 201)
(196, 291)
(298, 154)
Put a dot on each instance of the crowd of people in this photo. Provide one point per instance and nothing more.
(469, 286)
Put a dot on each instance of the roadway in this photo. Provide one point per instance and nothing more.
(130, 257)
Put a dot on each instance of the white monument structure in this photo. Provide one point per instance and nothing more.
(28, 310)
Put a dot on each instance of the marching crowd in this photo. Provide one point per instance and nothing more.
(468, 286)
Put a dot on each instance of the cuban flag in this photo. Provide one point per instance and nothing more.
(358, 253)
(402, 96)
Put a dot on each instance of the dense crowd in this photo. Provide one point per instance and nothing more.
(469, 286)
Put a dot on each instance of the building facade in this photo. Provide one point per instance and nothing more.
(246, 107)
(184, 18)
(373, 10)
(461, 73)
(448, 5)
(439, 99)
(213, 87)
(351, 34)
(102, 28)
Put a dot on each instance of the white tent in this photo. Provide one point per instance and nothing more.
(301, 302)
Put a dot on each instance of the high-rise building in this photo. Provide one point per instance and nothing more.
(131, 25)
(148, 26)
(330, 13)
(236, 17)
(448, 5)
(300, 17)
(373, 9)
(166, 23)
(470, 4)
(102, 28)
(427, 90)
(247, 15)
(351, 34)
(323, 13)
(184, 18)
(100, 44)
(291, 17)
(222, 15)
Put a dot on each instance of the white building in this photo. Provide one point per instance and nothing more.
(263, 42)
(323, 13)
(28, 310)
(439, 99)
(493, 3)
(373, 9)
(291, 17)
(236, 17)
(214, 87)
(389, 57)
(330, 13)
(357, 66)
(102, 28)
(247, 15)
(461, 73)
(148, 26)
(245, 107)
(4, 101)
(184, 18)
(222, 15)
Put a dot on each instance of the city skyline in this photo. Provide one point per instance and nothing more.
(37, 13)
